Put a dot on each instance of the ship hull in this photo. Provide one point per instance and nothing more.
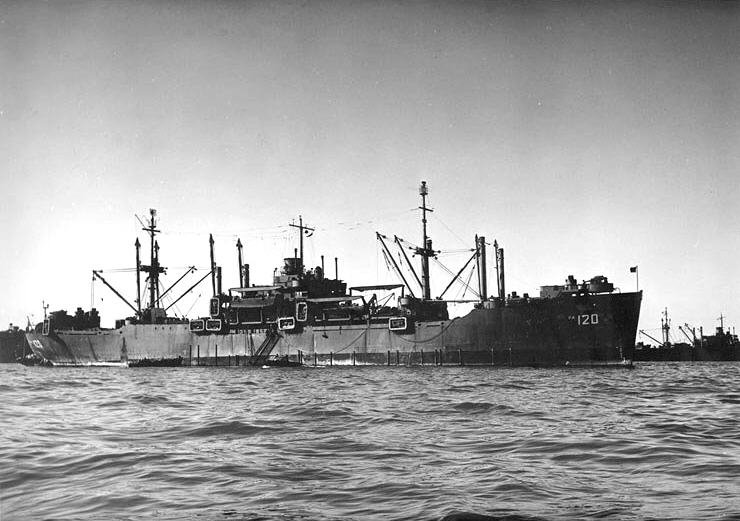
(688, 353)
(582, 330)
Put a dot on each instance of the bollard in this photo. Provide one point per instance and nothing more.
(389, 357)
(331, 358)
(215, 362)
(315, 358)
(353, 358)
(199, 355)
(422, 357)
(398, 357)
(190, 355)
(459, 355)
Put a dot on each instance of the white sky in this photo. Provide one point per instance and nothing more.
(585, 138)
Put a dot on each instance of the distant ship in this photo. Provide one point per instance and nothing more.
(12, 345)
(723, 346)
(306, 318)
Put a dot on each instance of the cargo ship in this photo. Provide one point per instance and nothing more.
(723, 346)
(304, 317)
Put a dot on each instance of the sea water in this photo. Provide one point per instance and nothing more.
(661, 441)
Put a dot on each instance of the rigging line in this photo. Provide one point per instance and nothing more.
(445, 328)
(443, 267)
(436, 217)
(456, 277)
(467, 284)
(264, 229)
(348, 225)
(385, 258)
(193, 304)
(409, 266)
(411, 244)
(451, 252)
(280, 229)
(363, 332)
(382, 302)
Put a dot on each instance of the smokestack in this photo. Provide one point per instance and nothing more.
(246, 275)
(336, 268)
(218, 280)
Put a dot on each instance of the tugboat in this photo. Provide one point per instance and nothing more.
(305, 318)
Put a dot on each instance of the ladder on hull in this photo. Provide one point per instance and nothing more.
(264, 350)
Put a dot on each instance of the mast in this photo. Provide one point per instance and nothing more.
(665, 326)
(156, 257)
(213, 265)
(241, 267)
(302, 229)
(500, 271)
(138, 278)
(480, 247)
(426, 249)
(154, 269)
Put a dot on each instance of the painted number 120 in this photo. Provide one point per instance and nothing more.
(588, 320)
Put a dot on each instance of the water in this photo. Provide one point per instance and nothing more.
(658, 442)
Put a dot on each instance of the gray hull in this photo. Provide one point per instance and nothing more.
(542, 333)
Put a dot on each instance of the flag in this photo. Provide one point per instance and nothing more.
(633, 269)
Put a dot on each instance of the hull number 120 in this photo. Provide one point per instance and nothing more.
(588, 320)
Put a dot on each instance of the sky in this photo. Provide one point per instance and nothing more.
(584, 137)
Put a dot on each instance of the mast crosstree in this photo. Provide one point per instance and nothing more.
(154, 268)
(302, 229)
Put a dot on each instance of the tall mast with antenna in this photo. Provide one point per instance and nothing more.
(426, 250)
(302, 229)
(665, 325)
(154, 269)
